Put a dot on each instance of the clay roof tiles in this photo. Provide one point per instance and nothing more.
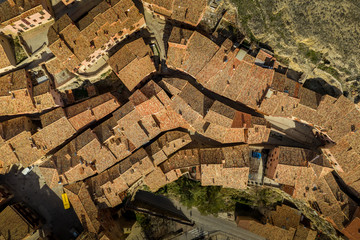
(180, 35)
(13, 81)
(25, 149)
(52, 116)
(295, 156)
(54, 134)
(155, 180)
(83, 205)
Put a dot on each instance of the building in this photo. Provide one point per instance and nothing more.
(217, 175)
(5, 194)
(84, 206)
(323, 113)
(267, 230)
(46, 96)
(223, 69)
(82, 157)
(225, 166)
(7, 54)
(281, 156)
(19, 17)
(189, 11)
(16, 144)
(17, 221)
(132, 63)
(283, 223)
(214, 119)
(18, 95)
(53, 134)
(93, 109)
(77, 46)
(167, 144)
(147, 115)
(352, 229)
(334, 205)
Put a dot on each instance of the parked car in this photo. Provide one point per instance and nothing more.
(25, 171)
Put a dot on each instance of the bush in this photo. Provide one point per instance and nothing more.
(312, 55)
(215, 199)
(332, 71)
(20, 54)
(208, 200)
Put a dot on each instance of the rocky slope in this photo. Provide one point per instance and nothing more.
(320, 38)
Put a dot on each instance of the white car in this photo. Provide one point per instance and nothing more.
(25, 171)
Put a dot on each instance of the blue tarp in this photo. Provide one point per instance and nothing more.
(256, 154)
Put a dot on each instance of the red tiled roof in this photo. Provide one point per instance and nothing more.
(83, 205)
(54, 134)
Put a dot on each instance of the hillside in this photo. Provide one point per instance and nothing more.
(319, 38)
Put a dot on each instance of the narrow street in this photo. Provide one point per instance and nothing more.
(156, 27)
(209, 224)
(41, 55)
(32, 190)
(296, 131)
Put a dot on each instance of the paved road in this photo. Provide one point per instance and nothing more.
(47, 202)
(43, 54)
(156, 27)
(208, 224)
(80, 78)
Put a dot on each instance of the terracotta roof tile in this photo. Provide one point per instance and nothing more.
(133, 73)
(105, 130)
(83, 205)
(26, 151)
(189, 11)
(52, 116)
(155, 180)
(13, 224)
(181, 159)
(121, 147)
(14, 126)
(180, 35)
(173, 85)
(54, 134)
(216, 175)
(113, 189)
(7, 157)
(51, 176)
(236, 156)
(171, 176)
(101, 156)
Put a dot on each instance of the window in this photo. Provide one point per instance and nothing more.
(42, 13)
(353, 128)
(42, 17)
